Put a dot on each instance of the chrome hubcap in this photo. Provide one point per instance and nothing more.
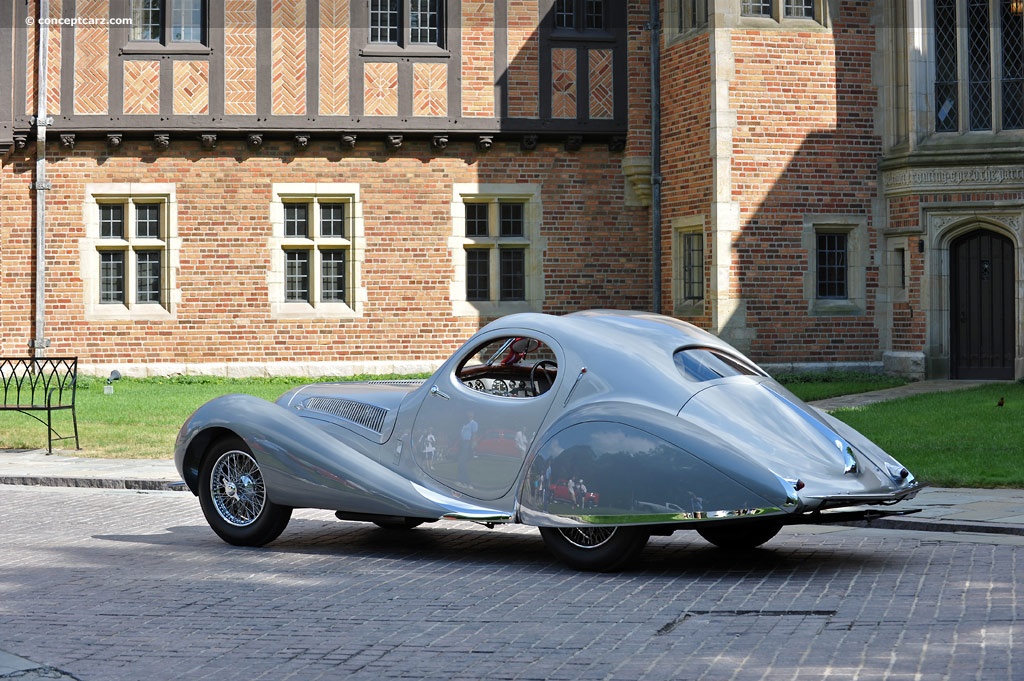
(237, 489)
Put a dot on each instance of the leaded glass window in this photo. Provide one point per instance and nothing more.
(317, 247)
(296, 220)
(332, 220)
(332, 275)
(296, 276)
(149, 269)
(979, 65)
(423, 21)
(478, 269)
(406, 22)
(131, 245)
(832, 264)
(163, 21)
(112, 221)
(693, 266)
(147, 220)
(477, 224)
(800, 8)
(112, 289)
(513, 274)
(496, 250)
(187, 21)
(579, 15)
(1012, 64)
(756, 8)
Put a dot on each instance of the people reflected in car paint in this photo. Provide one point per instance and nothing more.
(467, 438)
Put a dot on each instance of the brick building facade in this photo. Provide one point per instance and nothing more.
(338, 186)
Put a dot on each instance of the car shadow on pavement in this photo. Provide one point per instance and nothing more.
(683, 554)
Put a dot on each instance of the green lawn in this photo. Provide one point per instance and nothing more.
(955, 439)
(959, 439)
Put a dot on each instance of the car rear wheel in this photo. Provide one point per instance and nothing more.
(233, 495)
(740, 536)
(595, 549)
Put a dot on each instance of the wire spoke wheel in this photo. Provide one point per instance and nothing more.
(597, 549)
(234, 497)
(237, 488)
(587, 537)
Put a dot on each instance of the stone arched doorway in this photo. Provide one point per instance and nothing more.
(982, 320)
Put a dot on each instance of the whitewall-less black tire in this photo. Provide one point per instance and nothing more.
(595, 549)
(233, 495)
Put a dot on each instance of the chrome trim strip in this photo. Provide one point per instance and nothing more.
(545, 519)
(456, 509)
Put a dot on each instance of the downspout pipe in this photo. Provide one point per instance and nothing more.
(655, 23)
(39, 342)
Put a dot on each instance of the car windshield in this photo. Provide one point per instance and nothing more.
(705, 364)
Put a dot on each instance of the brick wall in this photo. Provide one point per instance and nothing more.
(686, 154)
(804, 144)
(223, 201)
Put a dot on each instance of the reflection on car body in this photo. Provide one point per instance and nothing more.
(600, 428)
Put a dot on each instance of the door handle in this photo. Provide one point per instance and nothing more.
(434, 390)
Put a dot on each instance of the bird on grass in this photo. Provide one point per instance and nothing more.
(1001, 402)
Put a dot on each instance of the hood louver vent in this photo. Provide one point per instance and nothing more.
(366, 415)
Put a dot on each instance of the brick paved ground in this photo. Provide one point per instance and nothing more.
(111, 585)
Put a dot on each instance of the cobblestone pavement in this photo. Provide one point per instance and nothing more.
(118, 585)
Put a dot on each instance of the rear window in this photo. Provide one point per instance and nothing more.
(705, 364)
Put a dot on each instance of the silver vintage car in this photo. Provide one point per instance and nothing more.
(601, 428)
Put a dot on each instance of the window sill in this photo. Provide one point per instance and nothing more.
(305, 311)
(487, 308)
(394, 51)
(592, 36)
(823, 307)
(140, 49)
(101, 312)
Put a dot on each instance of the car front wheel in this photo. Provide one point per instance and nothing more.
(740, 536)
(233, 495)
(595, 549)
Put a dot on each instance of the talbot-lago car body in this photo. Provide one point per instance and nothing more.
(601, 428)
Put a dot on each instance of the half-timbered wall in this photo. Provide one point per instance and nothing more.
(306, 66)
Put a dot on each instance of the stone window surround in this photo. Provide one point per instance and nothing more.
(315, 193)
(469, 193)
(682, 226)
(89, 247)
(858, 257)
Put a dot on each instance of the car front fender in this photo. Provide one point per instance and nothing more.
(304, 467)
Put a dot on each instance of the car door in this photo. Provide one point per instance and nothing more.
(474, 428)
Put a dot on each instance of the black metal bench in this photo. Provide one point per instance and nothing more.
(37, 384)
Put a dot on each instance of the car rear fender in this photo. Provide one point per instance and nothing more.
(645, 466)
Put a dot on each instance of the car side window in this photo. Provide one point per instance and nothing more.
(510, 366)
(705, 364)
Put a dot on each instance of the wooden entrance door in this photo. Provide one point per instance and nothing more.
(982, 323)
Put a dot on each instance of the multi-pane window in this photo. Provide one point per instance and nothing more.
(168, 21)
(757, 8)
(803, 9)
(406, 22)
(131, 250)
(979, 65)
(692, 14)
(579, 15)
(790, 9)
(693, 266)
(317, 245)
(496, 251)
(832, 265)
